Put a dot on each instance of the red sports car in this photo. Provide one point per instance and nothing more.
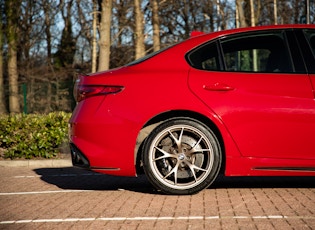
(240, 102)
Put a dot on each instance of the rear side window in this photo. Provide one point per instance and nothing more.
(261, 52)
(206, 57)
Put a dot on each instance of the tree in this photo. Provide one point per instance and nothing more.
(12, 13)
(105, 35)
(138, 35)
(67, 47)
(84, 18)
(241, 14)
(48, 22)
(155, 25)
(48, 9)
(3, 109)
(94, 42)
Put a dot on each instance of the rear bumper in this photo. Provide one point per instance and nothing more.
(101, 139)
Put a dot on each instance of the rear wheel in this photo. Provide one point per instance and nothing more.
(181, 156)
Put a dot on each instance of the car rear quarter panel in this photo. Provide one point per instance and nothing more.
(109, 126)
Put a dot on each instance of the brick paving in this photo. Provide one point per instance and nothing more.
(70, 198)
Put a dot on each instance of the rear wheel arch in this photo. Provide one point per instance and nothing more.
(178, 114)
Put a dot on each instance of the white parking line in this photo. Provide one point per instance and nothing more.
(26, 176)
(152, 218)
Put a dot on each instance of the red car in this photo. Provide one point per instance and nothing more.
(240, 102)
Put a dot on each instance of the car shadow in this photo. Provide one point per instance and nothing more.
(79, 179)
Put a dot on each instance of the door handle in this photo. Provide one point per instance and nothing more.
(218, 87)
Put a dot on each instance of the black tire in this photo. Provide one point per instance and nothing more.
(181, 156)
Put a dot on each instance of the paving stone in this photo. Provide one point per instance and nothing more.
(70, 198)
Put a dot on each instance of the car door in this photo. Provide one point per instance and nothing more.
(265, 101)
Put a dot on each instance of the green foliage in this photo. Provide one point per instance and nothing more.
(34, 135)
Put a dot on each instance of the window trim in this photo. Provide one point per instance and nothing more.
(223, 68)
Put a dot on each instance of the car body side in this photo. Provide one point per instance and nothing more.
(154, 91)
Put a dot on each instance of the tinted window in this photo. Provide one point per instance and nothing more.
(312, 42)
(260, 52)
(205, 57)
(310, 34)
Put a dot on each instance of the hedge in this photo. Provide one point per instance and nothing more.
(34, 135)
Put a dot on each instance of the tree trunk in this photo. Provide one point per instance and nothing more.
(94, 41)
(47, 30)
(275, 12)
(105, 38)
(139, 38)
(3, 109)
(241, 13)
(12, 18)
(156, 25)
(48, 22)
(14, 105)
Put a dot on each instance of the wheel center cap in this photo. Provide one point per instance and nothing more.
(181, 156)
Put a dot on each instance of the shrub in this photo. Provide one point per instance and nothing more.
(34, 135)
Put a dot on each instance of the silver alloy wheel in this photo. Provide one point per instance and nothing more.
(182, 157)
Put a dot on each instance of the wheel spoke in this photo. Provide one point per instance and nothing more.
(193, 167)
(165, 154)
(196, 150)
(174, 170)
(178, 141)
